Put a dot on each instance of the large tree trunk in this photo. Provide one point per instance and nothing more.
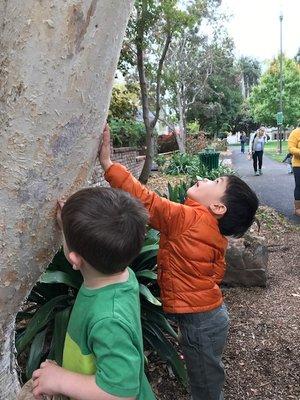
(57, 66)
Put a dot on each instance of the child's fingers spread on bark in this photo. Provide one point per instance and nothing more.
(35, 383)
(106, 136)
(36, 374)
(37, 395)
(51, 362)
(61, 203)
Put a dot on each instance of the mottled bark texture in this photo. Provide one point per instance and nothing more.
(57, 66)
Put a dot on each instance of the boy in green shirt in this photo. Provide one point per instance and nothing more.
(103, 231)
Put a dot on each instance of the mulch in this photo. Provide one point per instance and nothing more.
(262, 355)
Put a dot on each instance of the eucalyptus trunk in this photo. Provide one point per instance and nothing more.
(57, 65)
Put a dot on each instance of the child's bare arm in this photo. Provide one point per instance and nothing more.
(104, 151)
(52, 380)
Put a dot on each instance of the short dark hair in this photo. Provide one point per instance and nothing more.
(242, 204)
(105, 226)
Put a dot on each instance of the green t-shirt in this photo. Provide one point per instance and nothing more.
(104, 338)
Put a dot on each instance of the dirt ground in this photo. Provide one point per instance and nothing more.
(262, 356)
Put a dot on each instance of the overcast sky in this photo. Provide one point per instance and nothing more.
(255, 26)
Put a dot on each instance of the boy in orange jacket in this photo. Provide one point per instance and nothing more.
(191, 262)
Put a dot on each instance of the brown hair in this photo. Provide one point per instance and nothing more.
(105, 226)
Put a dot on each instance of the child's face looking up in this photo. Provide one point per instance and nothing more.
(208, 192)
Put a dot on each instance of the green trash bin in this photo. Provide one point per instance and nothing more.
(209, 158)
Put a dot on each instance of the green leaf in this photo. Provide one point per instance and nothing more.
(148, 248)
(44, 292)
(148, 260)
(40, 320)
(36, 353)
(36, 297)
(155, 337)
(144, 291)
(60, 329)
(149, 314)
(24, 315)
(146, 273)
(50, 277)
(152, 237)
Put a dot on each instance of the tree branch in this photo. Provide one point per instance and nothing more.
(208, 73)
(159, 76)
(141, 64)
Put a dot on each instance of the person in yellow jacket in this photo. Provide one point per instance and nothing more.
(294, 149)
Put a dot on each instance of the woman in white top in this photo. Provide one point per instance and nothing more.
(256, 149)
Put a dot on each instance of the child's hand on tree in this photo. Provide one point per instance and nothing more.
(60, 205)
(46, 380)
(104, 150)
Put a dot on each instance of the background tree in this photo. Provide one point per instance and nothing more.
(250, 74)
(218, 106)
(244, 121)
(124, 101)
(297, 57)
(57, 66)
(126, 130)
(264, 100)
(150, 32)
(189, 65)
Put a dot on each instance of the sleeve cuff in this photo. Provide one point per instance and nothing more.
(115, 390)
(116, 175)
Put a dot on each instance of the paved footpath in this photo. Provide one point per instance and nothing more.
(274, 188)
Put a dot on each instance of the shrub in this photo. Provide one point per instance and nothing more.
(127, 133)
(191, 166)
(182, 164)
(178, 192)
(196, 142)
(203, 173)
(167, 143)
(160, 160)
(220, 145)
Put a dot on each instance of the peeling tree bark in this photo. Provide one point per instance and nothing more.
(57, 65)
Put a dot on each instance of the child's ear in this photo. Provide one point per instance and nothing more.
(76, 260)
(219, 209)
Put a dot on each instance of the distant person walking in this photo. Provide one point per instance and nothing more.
(256, 149)
(243, 140)
(288, 160)
(294, 149)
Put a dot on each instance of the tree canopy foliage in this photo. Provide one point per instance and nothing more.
(222, 99)
(265, 97)
(250, 74)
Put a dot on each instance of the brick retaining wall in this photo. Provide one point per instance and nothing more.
(128, 156)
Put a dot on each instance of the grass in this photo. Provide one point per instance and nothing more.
(272, 151)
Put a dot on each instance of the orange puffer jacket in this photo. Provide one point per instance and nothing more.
(191, 253)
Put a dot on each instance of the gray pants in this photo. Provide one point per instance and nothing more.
(203, 338)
